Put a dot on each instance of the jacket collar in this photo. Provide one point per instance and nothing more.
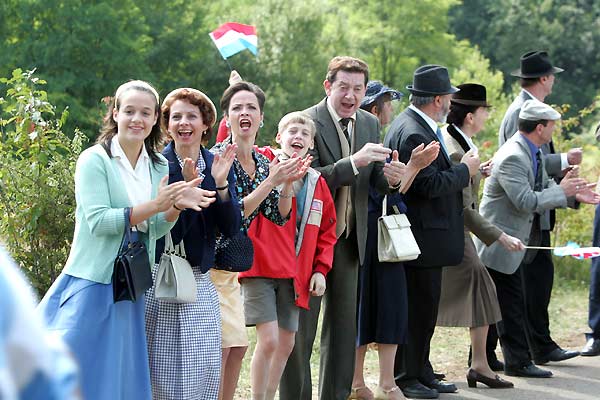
(452, 131)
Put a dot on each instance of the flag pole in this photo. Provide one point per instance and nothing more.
(224, 58)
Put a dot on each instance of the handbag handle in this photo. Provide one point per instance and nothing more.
(127, 231)
(170, 248)
(384, 205)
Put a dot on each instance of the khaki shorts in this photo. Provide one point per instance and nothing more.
(269, 299)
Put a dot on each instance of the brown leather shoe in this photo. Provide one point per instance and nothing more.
(495, 383)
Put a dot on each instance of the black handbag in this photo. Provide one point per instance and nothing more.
(234, 254)
(132, 275)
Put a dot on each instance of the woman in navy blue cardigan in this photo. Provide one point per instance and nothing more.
(184, 340)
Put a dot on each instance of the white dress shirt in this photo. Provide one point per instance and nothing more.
(136, 180)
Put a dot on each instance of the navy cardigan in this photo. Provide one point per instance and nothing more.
(198, 229)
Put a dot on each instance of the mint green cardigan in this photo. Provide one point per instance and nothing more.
(99, 216)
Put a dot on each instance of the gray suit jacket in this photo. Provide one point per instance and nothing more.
(337, 171)
(510, 125)
(509, 202)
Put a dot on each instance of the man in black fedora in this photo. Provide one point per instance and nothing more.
(537, 76)
(434, 204)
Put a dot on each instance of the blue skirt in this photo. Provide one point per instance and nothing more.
(107, 339)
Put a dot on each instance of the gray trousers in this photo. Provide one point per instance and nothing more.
(338, 335)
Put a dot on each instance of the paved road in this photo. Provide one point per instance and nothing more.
(576, 379)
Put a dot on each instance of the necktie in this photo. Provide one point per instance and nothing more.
(538, 185)
(535, 236)
(344, 122)
(438, 133)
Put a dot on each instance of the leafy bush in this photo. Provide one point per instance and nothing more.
(37, 199)
(577, 225)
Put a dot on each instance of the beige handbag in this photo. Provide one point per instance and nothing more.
(175, 281)
(395, 240)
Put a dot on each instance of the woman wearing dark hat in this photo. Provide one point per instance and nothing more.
(468, 295)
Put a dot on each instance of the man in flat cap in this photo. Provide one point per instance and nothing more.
(434, 204)
(514, 198)
(537, 76)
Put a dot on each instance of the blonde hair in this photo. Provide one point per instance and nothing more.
(297, 117)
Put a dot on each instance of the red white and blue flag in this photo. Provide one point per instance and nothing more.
(572, 249)
(231, 38)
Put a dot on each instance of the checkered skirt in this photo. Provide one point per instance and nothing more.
(184, 344)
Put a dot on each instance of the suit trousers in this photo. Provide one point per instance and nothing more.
(338, 335)
(511, 331)
(538, 278)
(594, 307)
(424, 287)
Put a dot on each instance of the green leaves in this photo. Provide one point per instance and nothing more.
(37, 200)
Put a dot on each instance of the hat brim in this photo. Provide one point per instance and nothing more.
(430, 94)
(554, 70)
(475, 103)
(395, 95)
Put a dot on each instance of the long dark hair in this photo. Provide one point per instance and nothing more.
(109, 126)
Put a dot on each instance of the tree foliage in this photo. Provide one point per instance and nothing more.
(567, 29)
(37, 200)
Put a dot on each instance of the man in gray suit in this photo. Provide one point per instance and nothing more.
(348, 155)
(537, 75)
(518, 189)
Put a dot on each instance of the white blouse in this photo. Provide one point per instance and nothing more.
(137, 180)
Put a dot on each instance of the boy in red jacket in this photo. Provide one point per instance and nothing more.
(290, 261)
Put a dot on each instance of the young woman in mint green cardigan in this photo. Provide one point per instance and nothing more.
(124, 169)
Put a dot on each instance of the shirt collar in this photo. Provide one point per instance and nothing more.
(117, 151)
(335, 115)
(532, 147)
(530, 95)
(466, 137)
(432, 124)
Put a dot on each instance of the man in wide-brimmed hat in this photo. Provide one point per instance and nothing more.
(434, 204)
(537, 75)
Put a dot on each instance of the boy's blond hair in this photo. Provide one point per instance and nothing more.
(297, 117)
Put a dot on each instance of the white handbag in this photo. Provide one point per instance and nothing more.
(175, 281)
(395, 240)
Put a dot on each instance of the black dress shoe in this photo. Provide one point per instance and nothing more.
(556, 355)
(496, 365)
(419, 391)
(528, 371)
(495, 383)
(591, 348)
(441, 386)
(439, 375)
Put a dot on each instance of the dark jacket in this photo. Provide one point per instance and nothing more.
(198, 228)
(434, 200)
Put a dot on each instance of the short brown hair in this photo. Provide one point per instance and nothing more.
(238, 87)
(347, 64)
(195, 98)
(529, 126)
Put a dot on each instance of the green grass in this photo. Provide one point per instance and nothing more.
(450, 346)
